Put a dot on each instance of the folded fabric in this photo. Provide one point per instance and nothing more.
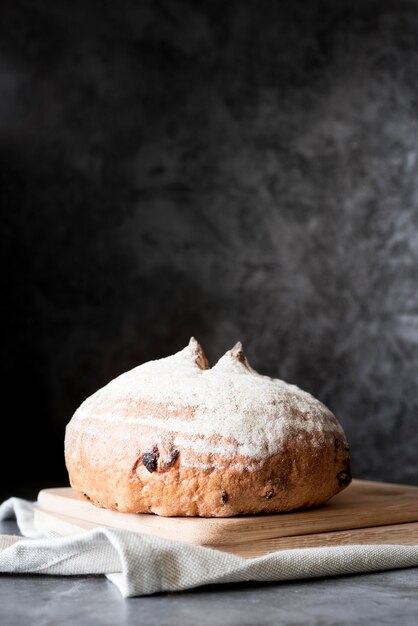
(143, 564)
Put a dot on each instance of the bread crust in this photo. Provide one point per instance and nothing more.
(117, 476)
(135, 465)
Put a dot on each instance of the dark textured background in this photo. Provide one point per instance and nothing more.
(232, 170)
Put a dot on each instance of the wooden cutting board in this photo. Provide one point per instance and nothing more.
(366, 512)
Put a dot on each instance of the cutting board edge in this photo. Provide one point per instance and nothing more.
(216, 531)
(395, 534)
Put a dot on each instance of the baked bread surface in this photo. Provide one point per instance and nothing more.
(176, 438)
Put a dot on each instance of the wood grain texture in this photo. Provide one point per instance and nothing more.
(406, 534)
(367, 512)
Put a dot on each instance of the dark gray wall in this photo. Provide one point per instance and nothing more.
(232, 170)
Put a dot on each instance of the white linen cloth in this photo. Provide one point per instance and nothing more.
(142, 564)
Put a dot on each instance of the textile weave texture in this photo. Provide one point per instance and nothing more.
(142, 564)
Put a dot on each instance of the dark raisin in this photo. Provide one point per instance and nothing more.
(268, 494)
(150, 460)
(344, 477)
(224, 497)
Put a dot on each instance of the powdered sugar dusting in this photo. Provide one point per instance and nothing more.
(250, 413)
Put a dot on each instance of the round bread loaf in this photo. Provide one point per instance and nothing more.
(176, 438)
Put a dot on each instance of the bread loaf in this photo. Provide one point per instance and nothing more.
(176, 438)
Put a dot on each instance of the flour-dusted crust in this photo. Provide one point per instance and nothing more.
(176, 438)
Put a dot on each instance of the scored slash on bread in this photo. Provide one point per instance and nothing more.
(177, 438)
